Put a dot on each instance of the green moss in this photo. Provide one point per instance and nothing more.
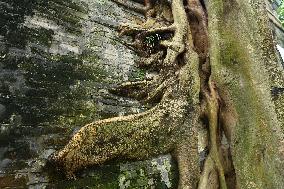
(59, 86)
(138, 74)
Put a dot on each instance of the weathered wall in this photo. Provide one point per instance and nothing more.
(58, 59)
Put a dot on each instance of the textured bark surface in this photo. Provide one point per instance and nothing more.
(245, 67)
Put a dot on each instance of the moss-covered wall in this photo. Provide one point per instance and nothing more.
(57, 61)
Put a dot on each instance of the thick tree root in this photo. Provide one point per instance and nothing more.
(138, 136)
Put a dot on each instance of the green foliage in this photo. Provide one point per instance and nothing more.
(151, 42)
(280, 11)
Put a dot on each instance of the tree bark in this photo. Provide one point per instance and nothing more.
(215, 78)
(245, 68)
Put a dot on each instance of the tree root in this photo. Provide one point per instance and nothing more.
(205, 176)
(187, 157)
(157, 94)
(198, 21)
(146, 91)
(213, 161)
(154, 61)
(135, 137)
(175, 46)
(137, 90)
(132, 6)
(146, 29)
(213, 174)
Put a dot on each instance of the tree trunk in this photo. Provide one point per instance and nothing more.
(216, 67)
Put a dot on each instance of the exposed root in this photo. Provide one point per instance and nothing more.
(137, 90)
(205, 177)
(187, 158)
(213, 174)
(145, 29)
(139, 8)
(139, 32)
(146, 91)
(198, 19)
(154, 61)
(138, 136)
(175, 46)
(173, 50)
(158, 92)
(212, 114)
(213, 162)
(142, 135)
